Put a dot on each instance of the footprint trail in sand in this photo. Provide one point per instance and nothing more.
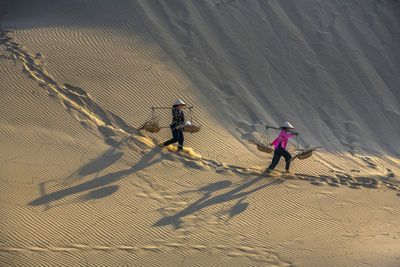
(74, 99)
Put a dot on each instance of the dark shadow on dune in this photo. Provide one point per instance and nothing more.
(239, 207)
(216, 186)
(104, 180)
(100, 193)
(207, 200)
(97, 182)
(211, 187)
(102, 162)
(239, 193)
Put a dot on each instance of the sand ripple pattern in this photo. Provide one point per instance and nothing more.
(260, 255)
(74, 99)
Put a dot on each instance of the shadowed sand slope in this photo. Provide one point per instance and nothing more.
(322, 65)
(81, 185)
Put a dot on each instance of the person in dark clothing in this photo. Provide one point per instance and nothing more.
(280, 146)
(177, 125)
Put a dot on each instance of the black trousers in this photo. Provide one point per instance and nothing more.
(280, 151)
(177, 136)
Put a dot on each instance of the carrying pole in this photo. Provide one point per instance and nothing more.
(153, 115)
(267, 133)
(184, 107)
(190, 115)
(276, 128)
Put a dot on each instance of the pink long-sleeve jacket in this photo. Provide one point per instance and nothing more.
(282, 138)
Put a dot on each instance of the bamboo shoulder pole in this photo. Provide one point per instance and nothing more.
(276, 128)
(190, 107)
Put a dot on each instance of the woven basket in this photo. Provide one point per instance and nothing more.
(265, 149)
(261, 147)
(306, 156)
(191, 129)
(152, 127)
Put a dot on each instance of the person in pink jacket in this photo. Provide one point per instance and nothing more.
(280, 146)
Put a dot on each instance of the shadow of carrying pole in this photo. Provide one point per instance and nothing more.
(206, 201)
(104, 180)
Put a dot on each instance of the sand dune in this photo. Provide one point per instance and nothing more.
(81, 185)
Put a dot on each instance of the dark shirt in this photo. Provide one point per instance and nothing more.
(178, 117)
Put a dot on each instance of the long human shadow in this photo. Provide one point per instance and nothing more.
(103, 161)
(104, 180)
(207, 200)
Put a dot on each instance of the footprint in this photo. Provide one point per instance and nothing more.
(370, 163)
(75, 89)
(72, 97)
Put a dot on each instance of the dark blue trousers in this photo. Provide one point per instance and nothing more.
(177, 136)
(278, 153)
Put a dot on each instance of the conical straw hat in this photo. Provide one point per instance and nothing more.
(287, 124)
(179, 102)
